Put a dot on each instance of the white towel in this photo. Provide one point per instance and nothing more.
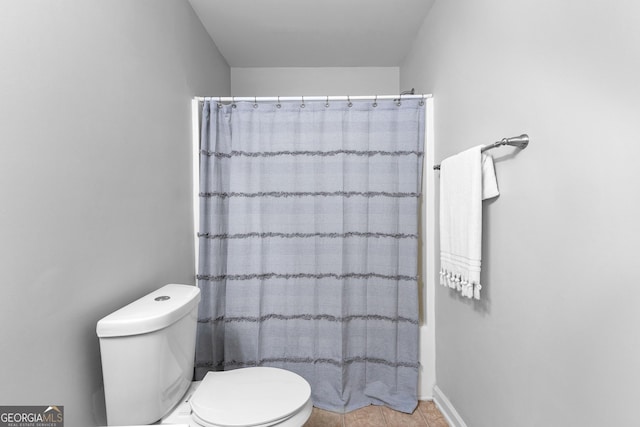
(465, 180)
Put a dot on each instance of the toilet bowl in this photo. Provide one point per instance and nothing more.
(257, 397)
(147, 350)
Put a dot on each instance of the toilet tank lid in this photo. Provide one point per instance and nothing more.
(152, 312)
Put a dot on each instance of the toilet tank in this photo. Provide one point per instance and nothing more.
(147, 350)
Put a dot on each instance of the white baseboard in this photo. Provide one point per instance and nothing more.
(446, 407)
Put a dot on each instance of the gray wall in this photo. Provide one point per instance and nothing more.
(95, 180)
(555, 339)
(297, 81)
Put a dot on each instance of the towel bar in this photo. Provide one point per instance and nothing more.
(520, 142)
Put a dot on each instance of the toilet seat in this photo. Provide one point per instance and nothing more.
(249, 397)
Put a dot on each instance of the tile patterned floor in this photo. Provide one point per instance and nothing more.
(426, 415)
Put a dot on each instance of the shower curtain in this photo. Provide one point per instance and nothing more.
(308, 245)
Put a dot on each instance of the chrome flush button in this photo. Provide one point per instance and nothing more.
(162, 298)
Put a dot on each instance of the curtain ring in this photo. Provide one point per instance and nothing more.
(302, 105)
(399, 103)
(327, 104)
(255, 101)
(375, 101)
(350, 104)
(278, 105)
(422, 100)
(233, 102)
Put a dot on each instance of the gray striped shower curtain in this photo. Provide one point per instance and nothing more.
(308, 245)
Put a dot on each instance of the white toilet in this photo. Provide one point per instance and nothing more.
(147, 350)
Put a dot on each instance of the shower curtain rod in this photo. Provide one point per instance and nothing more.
(516, 141)
(309, 98)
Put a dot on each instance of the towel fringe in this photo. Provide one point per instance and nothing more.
(460, 284)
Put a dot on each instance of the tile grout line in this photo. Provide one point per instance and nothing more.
(424, 417)
(386, 423)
